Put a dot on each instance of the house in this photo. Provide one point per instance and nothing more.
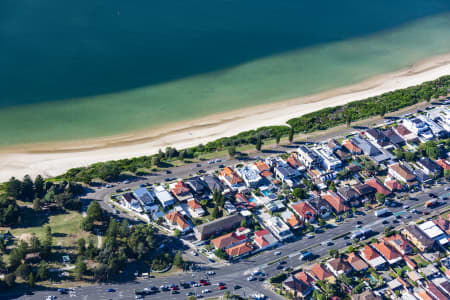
(364, 190)
(291, 219)
(390, 254)
(342, 155)
(164, 197)
(378, 186)
(352, 148)
(196, 184)
(418, 238)
(430, 271)
(414, 276)
(370, 150)
(230, 178)
(176, 221)
(348, 194)
(404, 133)
(239, 250)
(321, 273)
(181, 191)
(373, 258)
(304, 211)
(396, 284)
(445, 165)
(319, 175)
(356, 262)
(421, 294)
(429, 166)
(287, 175)
(394, 138)
(433, 232)
(144, 197)
(400, 244)
(435, 292)
(333, 145)
(229, 207)
(366, 295)
(422, 177)
(327, 159)
(308, 157)
(263, 169)
(305, 277)
(401, 173)
(250, 175)
(195, 209)
(264, 239)
(278, 228)
(321, 206)
(217, 226)
(376, 136)
(213, 183)
(228, 240)
(129, 202)
(294, 162)
(393, 185)
(336, 202)
(297, 288)
(338, 266)
(419, 128)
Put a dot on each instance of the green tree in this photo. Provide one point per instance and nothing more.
(31, 280)
(13, 188)
(300, 193)
(231, 151)
(382, 110)
(215, 212)
(278, 138)
(258, 143)
(81, 246)
(178, 260)
(39, 186)
(220, 253)
(447, 174)
(37, 204)
(381, 198)
(10, 279)
(42, 273)
(348, 118)
(23, 271)
(333, 253)
(80, 268)
(177, 233)
(27, 193)
(291, 134)
(94, 211)
(156, 161)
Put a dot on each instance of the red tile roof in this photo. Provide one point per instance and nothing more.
(443, 163)
(304, 210)
(227, 240)
(180, 188)
(393, 185)
(369, 252)
(410, 262)
(376, 184)
(401, 244)
(305, 277)
(175, 217)
(293, 161)
(386, 250)
(443, 224)
(320, 272)
(351, 147)
(335, 201)
(356, 262)
(230, 175)
(239, 250)
(402, 130)
(262, 166)
(194, 204)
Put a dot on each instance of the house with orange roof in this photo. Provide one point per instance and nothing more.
(176, 221)
(376, 184)
(181, 191)
(228, 240)
(372, 257)
(297, 288)
(321, 273)
(389, 253)
(264, 239)
(261, 166)
(305, 277)
(445, 164)
(399, 243)
(401, 173)
(393, 185)
(351, 147)
(336, 202)
(423, 295)
(356, 262)
(239, 250)
(338, 266)
(304, 211)
(443, 224)
(231, 178)
(291, 219)
(295, 163)
(195, 208)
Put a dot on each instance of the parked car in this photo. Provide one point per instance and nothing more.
(251, 278)
(222, 287)
(277, 253)
(111, 290)
(211, 273)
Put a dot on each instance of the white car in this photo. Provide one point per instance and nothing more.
(277, 253)
(405, 206)
(206, 291)
(211, 273)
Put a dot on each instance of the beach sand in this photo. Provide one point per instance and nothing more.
(52, 159)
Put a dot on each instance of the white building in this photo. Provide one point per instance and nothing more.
(144, 197)
(165, 198)
(434, 232)
(250, 175)
(308, 157)
(435, 128)
(419, 127)
(278, 228)
(129, 202)
(328, 160)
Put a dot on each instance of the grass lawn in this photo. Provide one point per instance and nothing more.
(65, 228)
(419, 261)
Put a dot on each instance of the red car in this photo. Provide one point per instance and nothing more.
(201, 281)
(221, 287)
(205, 283)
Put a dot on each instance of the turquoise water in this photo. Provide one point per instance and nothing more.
(95, 68)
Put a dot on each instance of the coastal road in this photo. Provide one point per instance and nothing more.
(237, 273)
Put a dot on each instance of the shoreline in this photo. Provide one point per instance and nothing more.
(54, 158)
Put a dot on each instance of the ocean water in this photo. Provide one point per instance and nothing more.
(97, 68)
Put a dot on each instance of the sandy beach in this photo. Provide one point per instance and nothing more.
(51, 159)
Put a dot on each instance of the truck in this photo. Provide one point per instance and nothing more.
(361, 234)
(305, 255)
(381, 212)
(431, 203)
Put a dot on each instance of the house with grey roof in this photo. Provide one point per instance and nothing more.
(213, 183)
(429, 167)
(144, 197)
(370, 150)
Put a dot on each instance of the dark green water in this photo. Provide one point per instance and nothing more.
(91, 68)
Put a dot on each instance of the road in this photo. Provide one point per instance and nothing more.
(237, 273)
